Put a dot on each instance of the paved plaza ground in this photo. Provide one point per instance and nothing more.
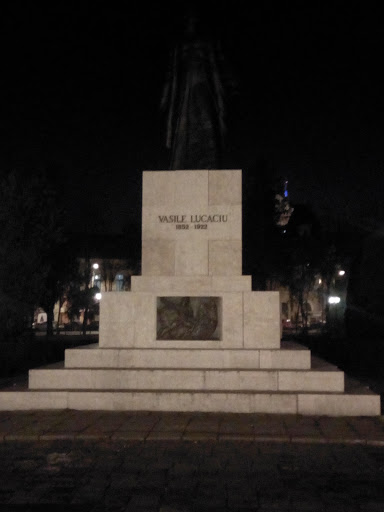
(167, 462)
(182, 462)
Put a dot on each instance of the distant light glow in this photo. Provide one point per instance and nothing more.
(341, 272)
(98, 296)
(320, 281)
(95, 266)
(333, 299)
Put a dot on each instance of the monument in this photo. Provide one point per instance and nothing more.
(191, 335)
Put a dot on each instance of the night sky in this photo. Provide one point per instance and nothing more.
(81, 90)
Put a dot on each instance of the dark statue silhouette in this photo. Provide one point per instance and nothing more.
(193, 100)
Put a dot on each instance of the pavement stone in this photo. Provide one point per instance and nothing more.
(99, 461)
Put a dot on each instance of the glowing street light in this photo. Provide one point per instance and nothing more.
(341, 272)
(95, 266)
(333, 299)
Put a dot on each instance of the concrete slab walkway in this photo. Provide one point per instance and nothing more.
(205, 472)
(147, 426)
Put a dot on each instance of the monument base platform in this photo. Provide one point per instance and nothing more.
(328, 404)
(282, 381)
(191, 335)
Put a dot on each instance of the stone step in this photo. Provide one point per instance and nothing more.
(364, 403)
(92, 356)
(187, 379)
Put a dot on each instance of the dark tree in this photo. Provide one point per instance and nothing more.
(63, 270)
(29, 227)
(262, 252)
(82, 295)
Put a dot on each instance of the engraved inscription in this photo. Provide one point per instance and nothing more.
(172, 219)
(209, 218)
(182, 221)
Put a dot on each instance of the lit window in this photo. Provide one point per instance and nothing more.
(97, 281)
(119, 279)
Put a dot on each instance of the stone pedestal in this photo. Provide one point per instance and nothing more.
(191, 335)
(191, 223)
(191, 253)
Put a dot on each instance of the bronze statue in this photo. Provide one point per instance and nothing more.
(193, 100)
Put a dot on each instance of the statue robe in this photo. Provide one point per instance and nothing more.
(194, 103)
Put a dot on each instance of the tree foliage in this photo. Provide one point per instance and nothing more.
(81, 294)
(29, 228)
(112, 266)
(62, 273)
